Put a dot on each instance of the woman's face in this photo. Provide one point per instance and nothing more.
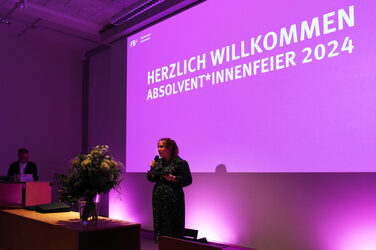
(163, 151)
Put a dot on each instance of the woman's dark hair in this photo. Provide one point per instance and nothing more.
(171, 144)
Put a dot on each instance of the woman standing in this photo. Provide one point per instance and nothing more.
(170, 174)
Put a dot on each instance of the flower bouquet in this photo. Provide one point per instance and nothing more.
(90, 175)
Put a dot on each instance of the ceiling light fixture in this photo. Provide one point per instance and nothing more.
(20, 4)
(135, 11)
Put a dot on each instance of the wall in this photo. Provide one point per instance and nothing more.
(41, 98)
(106, 109)
(268, 211)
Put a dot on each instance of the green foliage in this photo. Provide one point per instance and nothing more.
(90, 174)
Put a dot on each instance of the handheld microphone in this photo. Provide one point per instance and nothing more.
(156, 158)
(157, 172)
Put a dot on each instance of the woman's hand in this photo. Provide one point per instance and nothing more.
(153, 164)
(170, 177)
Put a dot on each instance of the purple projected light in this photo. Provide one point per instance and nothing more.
(348, 221)
(288, 88)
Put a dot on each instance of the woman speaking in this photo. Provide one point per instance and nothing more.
(170, 174)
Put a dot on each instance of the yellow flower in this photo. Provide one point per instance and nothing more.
(105, 165)
(75, 161)
(94, 152)
(86, 162)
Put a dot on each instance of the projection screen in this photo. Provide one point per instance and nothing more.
(258, 86)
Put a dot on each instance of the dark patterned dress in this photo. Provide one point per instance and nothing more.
(168, 198)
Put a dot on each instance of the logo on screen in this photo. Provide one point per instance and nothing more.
(133, 43)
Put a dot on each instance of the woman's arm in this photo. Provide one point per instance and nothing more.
(183, 177)
(151, 177)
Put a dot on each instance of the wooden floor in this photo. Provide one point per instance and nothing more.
(147, 242)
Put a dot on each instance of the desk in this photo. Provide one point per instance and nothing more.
(28, 230)
(18, 194)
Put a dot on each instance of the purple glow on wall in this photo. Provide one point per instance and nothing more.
(133, 202)
(349, 220)
(268, 211)
(211, 216)
(316, 116)
(119, 209)
(356, 236)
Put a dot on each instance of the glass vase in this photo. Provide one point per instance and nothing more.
(88, 209)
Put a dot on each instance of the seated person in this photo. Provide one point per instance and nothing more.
(23, 165)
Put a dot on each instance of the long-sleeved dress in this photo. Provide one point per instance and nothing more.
(168, 198)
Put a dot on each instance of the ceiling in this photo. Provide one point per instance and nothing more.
(98, 12)
(85, 20)
(81, 18)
